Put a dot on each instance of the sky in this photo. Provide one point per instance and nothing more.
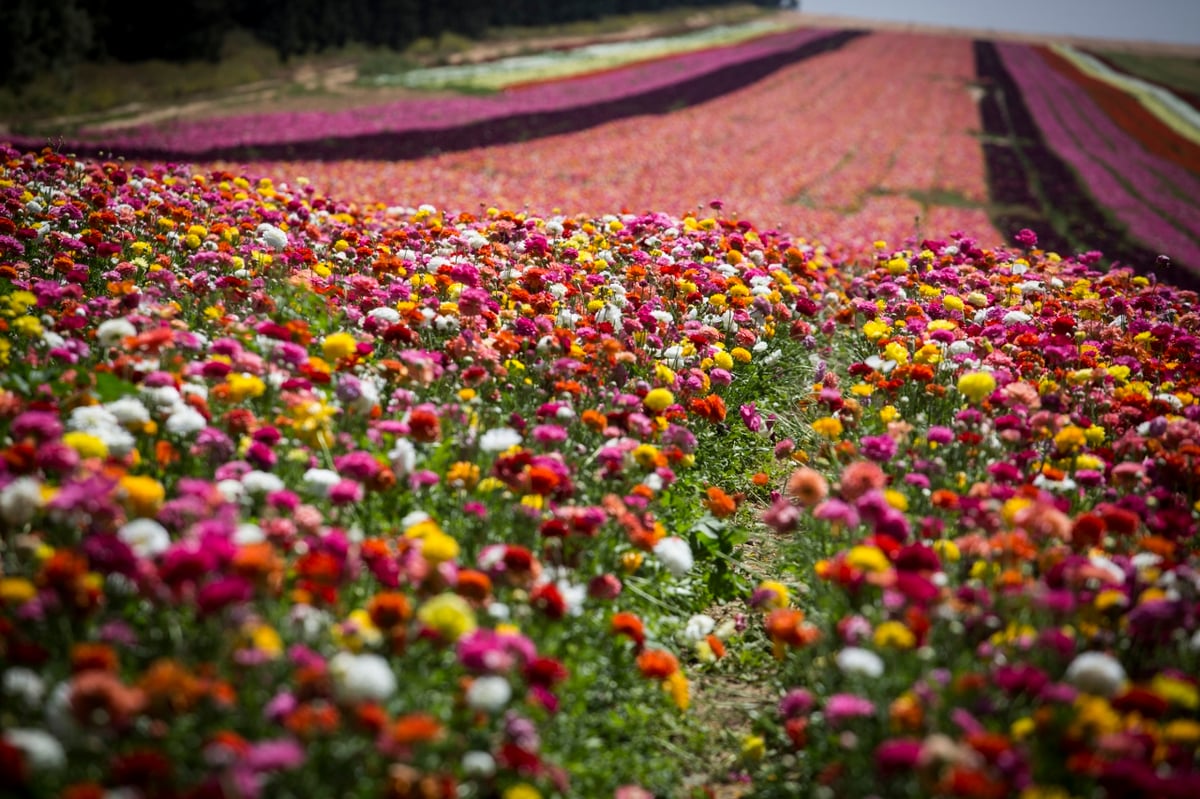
(1171, 21)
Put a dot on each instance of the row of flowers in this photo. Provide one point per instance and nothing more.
(1000, 500)
(776, 166)
(434, 122)
(401, 504)
(518, 70)
(1150, 195)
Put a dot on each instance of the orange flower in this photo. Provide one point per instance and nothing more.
(657, 664)
(710, 408)
(85, 656)
(414, 728)
(719, 503)
(807, 486)
(630, 625)
(594, 420)
(259, 561)
(313, 719)
(389, 609)
(170, 688)
(474, 585)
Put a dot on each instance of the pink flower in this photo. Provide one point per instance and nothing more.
(842, 708)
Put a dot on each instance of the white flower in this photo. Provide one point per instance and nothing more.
(499, 439)
(490, 694)
(111, 332)
(42, 750)
(163, 399)
(259, 482)
(675, 554)
(1096, 673)
(1016, 318)
(310, 623)
(184, 421)
(319, 481)
(19, 500)
(365, 677)
(478, 765)
(129, 410)
(385, 314)
(90, 418)
(24, 684)
(698, 627)
(403, 457)
(248, 533)
(232, 490)
(272, 236)
(146, 537)
(856, 661)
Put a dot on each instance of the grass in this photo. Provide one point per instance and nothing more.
(1178, 73)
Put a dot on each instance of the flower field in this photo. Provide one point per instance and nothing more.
(792, 441)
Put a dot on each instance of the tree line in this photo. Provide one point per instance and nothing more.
(54, 36)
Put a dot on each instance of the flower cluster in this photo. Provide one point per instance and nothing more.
(1002, 510)
(290, 490)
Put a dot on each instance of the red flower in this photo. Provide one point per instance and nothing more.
(549, 600)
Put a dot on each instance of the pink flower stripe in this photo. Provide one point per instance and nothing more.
(441, 112)
(1148, 194)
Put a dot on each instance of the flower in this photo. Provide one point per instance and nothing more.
(855, 661)
(490, 693)
(42, 750)
(339, 345)
(658, 399)
(361, 677)
(1096, 673)
(675, 554)
(449, 615)
(976, 386)
(807, 486)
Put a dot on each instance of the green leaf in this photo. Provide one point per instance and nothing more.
(109, 387)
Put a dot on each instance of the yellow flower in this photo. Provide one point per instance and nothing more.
(741, 354)
(658, 399)
(448, 615)
(753, 747)
(723, 360)
(1182, 731)
(522, 790)
(952, 303)
(16, 590)
(356, 632)
(868, 559)
(888, 413)
(1069, 439)
(439, 548)
(677, 685)
(875, 330)
(895, 351)
(829, 427)
(28, 326)
(894, 634)
(86, 444)
(244, 386)
(975, 386)
(896, 499)
(339, 345)
(263, 638)
(631, 561)
(779, 594)
(646, 456)
(141, 495)
(1176, 691)
(463, 474)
